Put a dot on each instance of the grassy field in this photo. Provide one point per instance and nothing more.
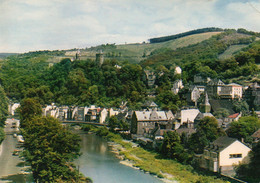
(231, 50)
(138, 50)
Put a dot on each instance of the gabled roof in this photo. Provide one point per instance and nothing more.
(234, 84)
(256, 134)
(150, 104)
(150, 115)
(202, 115)
(189, 115)
(221, 143)
(233, 115)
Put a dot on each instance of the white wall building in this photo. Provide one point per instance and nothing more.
(221, 155)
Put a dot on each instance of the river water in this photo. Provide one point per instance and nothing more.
(101, 165)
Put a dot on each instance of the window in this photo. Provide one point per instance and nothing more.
(235, 156)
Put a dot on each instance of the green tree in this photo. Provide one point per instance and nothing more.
(240, 106)
(29, 108)
(172, 147)
(251, 172)
(113, 123)
(207, 131)
(244, 127)
(2, 135)
(221, 113)
(3, 107)
(50, 148)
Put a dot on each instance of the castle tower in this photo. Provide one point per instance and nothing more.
(99, 58)
(205, 108)
(77, 55)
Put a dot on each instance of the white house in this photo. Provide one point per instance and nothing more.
(103, 115)
(231, 90)
(51, 110)
(222, 154)
(177, 86)
(12, 108)
(177, 70)
(112, 112)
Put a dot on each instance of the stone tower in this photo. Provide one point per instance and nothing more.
(77, 57)
(99, 58)
(205, 108)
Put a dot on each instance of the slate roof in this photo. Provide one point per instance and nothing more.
(202, 115)
(150, 104)
(150, 115)
(187, 131)
(221, 143)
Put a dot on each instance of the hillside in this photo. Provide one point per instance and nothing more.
(136, 52)
(83, 82)
(4, 55)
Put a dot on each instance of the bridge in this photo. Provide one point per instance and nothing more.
(82, 122)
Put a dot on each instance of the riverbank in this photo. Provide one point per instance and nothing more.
(167, 170)
(119, 151)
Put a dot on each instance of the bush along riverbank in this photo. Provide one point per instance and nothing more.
(131, 154)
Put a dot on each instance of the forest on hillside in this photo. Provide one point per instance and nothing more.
(82, 82)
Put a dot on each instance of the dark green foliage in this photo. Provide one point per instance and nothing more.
(202, 58)
(29, 109)
(240, 106)
(251, 172)
(2, 135)
(168, 100)
(113, 123)
(18, 73)
(172, 147)
(3, 113)
(49, 148)
(103, 131)
(244, 31)
(207, 131)
(221, 113)
(197, 31)
(244, 127)
(3, 107)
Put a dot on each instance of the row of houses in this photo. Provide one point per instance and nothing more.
(219, 156)
(216, 88)
(76, 113)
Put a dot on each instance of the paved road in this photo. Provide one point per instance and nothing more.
(8, 162)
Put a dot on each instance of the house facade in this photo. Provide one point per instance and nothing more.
(222, 154)
(177, 86)
(143, 122)
(150, 76)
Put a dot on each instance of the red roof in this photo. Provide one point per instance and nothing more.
(233, 115)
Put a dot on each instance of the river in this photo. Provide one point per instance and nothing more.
(96, 162)
(101, 165)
